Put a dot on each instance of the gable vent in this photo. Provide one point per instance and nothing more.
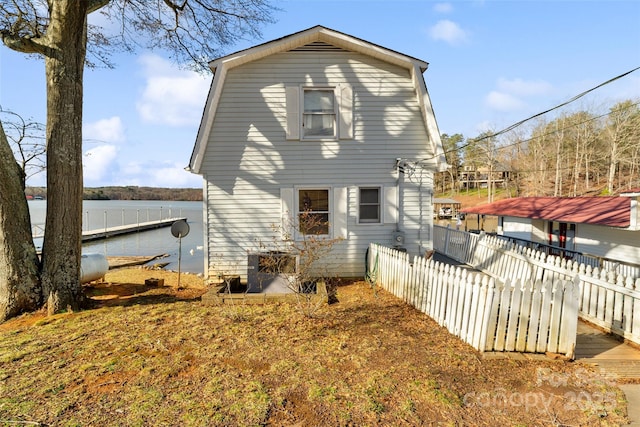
(318, 47)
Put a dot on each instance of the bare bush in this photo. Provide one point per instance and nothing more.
(301, 260)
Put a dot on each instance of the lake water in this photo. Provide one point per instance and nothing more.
(98, 214)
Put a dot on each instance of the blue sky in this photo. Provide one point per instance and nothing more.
(492, 63)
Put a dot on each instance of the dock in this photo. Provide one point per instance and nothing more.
(108, 232)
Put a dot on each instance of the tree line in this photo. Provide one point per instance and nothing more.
(128, 193)
(577, 153)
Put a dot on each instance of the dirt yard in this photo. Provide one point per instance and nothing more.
(158, 356)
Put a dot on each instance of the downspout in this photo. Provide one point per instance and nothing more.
(398, 198)
(400, 204)
(420, 214)
(398, 234)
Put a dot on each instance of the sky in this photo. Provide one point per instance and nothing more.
(491, 64)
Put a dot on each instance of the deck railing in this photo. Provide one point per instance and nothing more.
(607, 299)
(490, 315)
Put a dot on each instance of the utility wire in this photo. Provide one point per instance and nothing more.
(591, 119)
(521, 122)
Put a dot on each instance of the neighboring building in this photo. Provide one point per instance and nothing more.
(318, 121)
(472, 176)
(604, 227)
(444, 208)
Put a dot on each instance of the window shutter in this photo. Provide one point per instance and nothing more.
(345, 96)
(293, 112)
(288, 213)
(340, 212)
(390, 205)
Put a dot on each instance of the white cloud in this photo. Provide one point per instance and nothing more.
(448, 31)
(98, 164)
(510, 94)
(175, 176)
(171, 96)
(165, 174)
(105, 130)
(503, 101)
(524, 88)
(135, 168)
(443, 7)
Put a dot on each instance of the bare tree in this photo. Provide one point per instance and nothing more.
(578, 136)
(19, 265)
(481, 151)
(621, 135)
(451, 144)
(58, 31)
(573, 154)
(536, 159)
(26, 139)
(512, 156)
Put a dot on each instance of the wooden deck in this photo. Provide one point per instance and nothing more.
(615, 358)
(105, 233)
(129, 261)
(617, 361)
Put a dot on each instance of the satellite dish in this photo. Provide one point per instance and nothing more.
(180, 228)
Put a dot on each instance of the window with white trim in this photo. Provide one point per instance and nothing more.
(319, 114)
(313, 211)
(369, 205)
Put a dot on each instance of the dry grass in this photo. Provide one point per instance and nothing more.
(158, 356)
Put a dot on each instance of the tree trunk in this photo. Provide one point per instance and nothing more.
(64, 64)
(557, 189)
(613, 164)
(19, 265)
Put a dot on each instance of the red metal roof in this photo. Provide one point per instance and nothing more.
(608, 211)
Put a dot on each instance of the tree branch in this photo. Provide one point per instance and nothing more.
(93, 5)
(22, 44)
(174, 6)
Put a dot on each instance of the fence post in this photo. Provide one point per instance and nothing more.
(534, 319)
(635, 328)
(447, 236)
(570, 317)
(483, 320)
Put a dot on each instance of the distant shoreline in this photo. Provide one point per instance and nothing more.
(127, 193)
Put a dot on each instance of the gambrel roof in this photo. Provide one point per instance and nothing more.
(316, 38)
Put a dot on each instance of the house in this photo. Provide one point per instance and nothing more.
(472, 176)
(322, 122)
(604, 227)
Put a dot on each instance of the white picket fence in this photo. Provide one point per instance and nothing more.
(607, 299)
(490, 315)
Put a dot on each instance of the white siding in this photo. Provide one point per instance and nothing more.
(519, 228)
(249, 160)
(608, 242)
(539, 233)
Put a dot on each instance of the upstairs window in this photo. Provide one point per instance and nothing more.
(319, 113)
(369, 205)
(319, 116)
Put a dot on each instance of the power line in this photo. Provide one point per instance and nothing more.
(591, 119)
(575, 98)
(521, 122)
